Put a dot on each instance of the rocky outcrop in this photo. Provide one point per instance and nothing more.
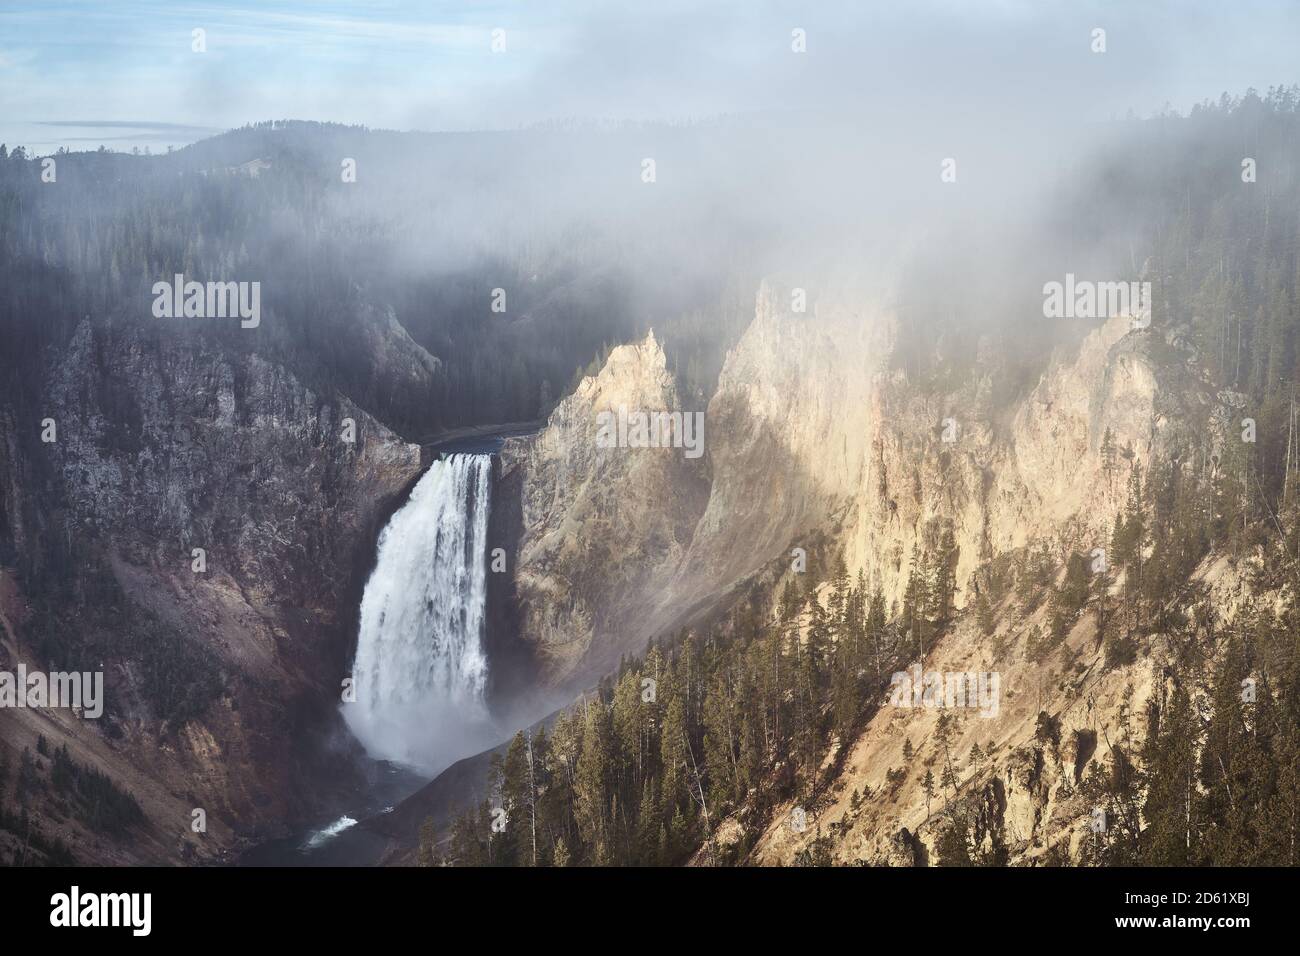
(788, 438)
(604, 528)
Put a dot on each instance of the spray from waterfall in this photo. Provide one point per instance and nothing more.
(420, 669)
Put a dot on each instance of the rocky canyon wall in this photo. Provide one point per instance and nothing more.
(221, 665)
(811, 430)
(814, 440)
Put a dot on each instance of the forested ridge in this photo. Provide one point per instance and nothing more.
(335, 258)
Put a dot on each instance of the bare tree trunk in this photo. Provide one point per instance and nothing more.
(699, 787)
(532, 792)
(1286, 468)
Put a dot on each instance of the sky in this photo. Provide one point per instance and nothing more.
(80, 73)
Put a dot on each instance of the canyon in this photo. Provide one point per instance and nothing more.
(815, 445)
(332, 595)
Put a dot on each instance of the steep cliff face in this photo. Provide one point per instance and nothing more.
(1005, 480)
(812, 429)
(810, 432)
(218, 663)
(621, 544)
(193, 448)
(604, 528)
(814, 442)
(1038, 477)
(789, 438)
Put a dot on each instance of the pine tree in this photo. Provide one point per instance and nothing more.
(511, 782)
(591, 784)
(1173, 803)
(1108, 454)
(721, 742)
(944, 589)
(673, 758)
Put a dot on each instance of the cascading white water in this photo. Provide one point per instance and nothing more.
(420, 669)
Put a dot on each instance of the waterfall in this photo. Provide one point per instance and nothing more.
(420, 668)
